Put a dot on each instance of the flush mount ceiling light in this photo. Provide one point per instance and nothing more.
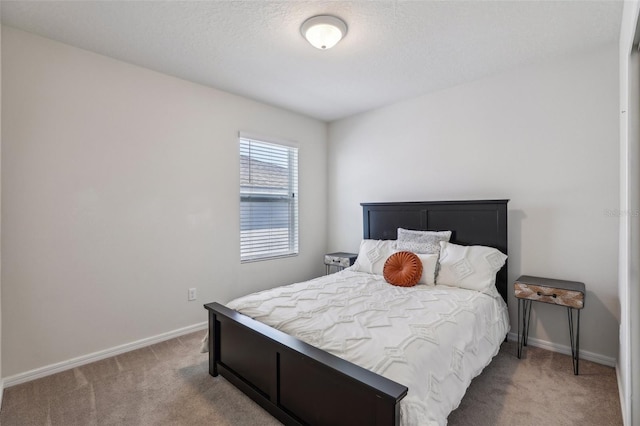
(323, 31)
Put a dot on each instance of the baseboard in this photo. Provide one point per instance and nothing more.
(623, 401)
(564, 349)
(97, 356)
(117, 350)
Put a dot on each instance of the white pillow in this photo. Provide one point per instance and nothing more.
(427, 242)
(470, 267)
(429, 262)
(372, 255)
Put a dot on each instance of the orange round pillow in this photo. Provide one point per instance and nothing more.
(403, 269)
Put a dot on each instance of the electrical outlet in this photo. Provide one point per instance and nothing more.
(192, 294)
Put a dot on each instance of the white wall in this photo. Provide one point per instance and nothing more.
(629, 264)
(544, 136)
(1, 381)
(120, 192)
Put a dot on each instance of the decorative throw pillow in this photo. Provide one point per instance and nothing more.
(429, 263)
(373, 254)
(421, 242)
(470, 267)
(403, 269)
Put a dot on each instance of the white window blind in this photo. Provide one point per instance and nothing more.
(268, 200)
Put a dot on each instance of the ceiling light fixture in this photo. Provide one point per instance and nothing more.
(323, 31)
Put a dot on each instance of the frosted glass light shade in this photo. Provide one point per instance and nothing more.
(323, 31)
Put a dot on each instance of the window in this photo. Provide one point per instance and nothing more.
(268, 199)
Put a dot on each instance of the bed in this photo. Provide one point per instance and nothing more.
(298, 383)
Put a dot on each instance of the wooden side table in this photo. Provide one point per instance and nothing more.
(570, 294)
(340, 260)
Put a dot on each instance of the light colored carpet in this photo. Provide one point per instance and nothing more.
(540, 389)
(169, 384)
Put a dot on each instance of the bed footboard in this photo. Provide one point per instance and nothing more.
(296, 382)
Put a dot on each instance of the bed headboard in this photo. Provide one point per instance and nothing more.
(481, 222)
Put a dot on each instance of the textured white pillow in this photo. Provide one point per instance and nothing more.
(427, 242)
(373, 254)
(470, 267)
(429, 263)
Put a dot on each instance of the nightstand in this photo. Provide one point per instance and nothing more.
(339, 260)
(569, 294)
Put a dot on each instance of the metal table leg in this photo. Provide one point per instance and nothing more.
(575, 339)
(524, 316)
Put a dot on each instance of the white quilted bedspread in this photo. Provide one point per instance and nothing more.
(432, 339)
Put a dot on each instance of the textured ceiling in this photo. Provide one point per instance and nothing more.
(394, 50)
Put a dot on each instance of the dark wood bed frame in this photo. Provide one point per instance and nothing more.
(300, 384)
